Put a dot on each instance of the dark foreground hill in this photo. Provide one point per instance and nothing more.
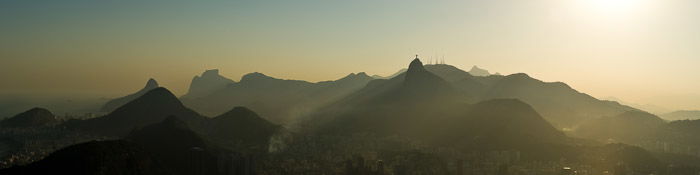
(242, 129)
(173, 142)
(97, 157)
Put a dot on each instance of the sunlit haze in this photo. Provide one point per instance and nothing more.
(639, 51)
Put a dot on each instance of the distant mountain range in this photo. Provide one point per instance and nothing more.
(682, 115)
(239, 125)
(280, 101)
(284, 101)
(428, 112)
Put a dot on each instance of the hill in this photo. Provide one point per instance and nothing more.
(243, 130)
(96, 157)
(557, 102)
(173, 142)
(630, 127)
(154, 106)
(32, 118)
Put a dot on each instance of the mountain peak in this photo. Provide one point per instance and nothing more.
(254, 76)
(117, 102)
(238, 112)
(160, 96)
(151, 84)
(520, 76)
(476, 71)
(152, 107)
(208, 83)
(355, 76)
(210, 72)
(159, 92)
(416, 65)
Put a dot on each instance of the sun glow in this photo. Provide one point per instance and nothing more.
(615, 8)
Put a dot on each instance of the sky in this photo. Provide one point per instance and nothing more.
(639, 51)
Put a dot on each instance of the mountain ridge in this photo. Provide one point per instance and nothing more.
(209, 82)
(117, 102)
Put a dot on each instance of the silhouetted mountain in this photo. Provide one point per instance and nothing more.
(32, 118)
(557, 102)
(685, 132)
(209, 82)
(682, 115)
(117, 102)
(420, 105)
(390, 76)
(416, 85)
(448, 72)
(476, 71)
(505, 122)
(96, 157)
(651, 108)
(172, 141)
(170, 135)
(349, 80)
(244, 129)
(445, 71)
(688, 126)
(629, 127)
(152, 107)
(279, 101)
(416, 75)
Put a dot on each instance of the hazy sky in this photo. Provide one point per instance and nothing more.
(640, 51)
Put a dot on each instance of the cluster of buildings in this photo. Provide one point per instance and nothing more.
(37, 143)
(672, 148)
